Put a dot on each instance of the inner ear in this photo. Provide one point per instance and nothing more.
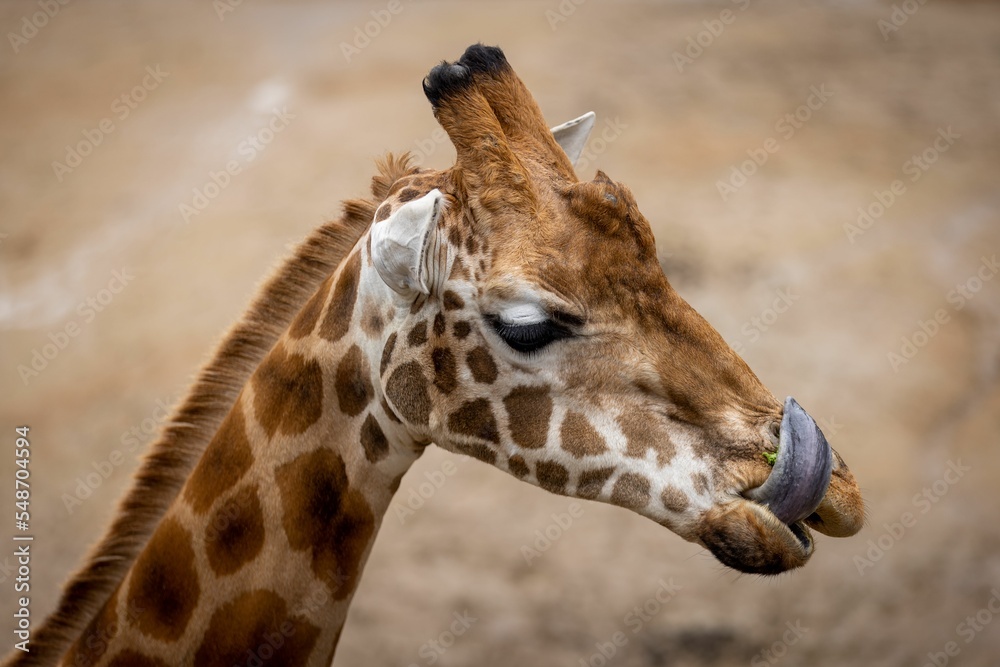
(402, 245)
(572, 135)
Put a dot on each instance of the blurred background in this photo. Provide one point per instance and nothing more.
(822, 181)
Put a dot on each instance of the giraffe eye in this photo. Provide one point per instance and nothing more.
(528, 337)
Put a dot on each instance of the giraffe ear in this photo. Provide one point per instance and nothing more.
(572, 135)
(402, 245)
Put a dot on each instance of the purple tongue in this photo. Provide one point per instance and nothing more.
(802, 471)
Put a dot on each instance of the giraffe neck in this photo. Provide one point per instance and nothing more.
(260, 554)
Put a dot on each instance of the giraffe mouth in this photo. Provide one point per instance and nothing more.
(765, 532)
(802, 471)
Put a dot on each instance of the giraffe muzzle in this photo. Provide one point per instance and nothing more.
(765, 532)
(802, 471)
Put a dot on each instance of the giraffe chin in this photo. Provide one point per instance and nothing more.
(748, 537)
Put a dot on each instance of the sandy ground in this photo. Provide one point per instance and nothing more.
(788, 239)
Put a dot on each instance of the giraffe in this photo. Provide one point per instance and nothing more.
(501, 309)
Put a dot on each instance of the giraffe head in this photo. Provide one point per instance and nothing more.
(534, 329)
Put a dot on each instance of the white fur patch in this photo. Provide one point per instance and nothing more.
(523, 313)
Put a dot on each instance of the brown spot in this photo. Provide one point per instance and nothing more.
(517, 466)
(700, 483)
(458, 271)
(481, 364)
(226, 459)
(407, 389)
(408, 194)
(383, 212)
(306, 320)
(373, 440)
(631, 490)
(592, 482)
(388, 411)
(439, 325)
(455, 236)
(552, 476)
(471, 245)
(475, 418)
(397, 186)
(445, 370)
(235, 534)
(164, 583)
(257, 623)
(371, 321)
(528, 412)
(452, 301)
(417, 335)
(387, 351)
(641, 437)
(93, 641)
(579, 438)
(674, 499)
(478, 451)
(288, 392)
(424, 182)
(130, 658)
(338, 315)
(461, 329)
(353, 383)
(323, 515)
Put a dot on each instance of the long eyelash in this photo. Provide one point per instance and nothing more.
(528, 338)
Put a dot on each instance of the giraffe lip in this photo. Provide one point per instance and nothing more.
(802, 471)
(748, 537)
